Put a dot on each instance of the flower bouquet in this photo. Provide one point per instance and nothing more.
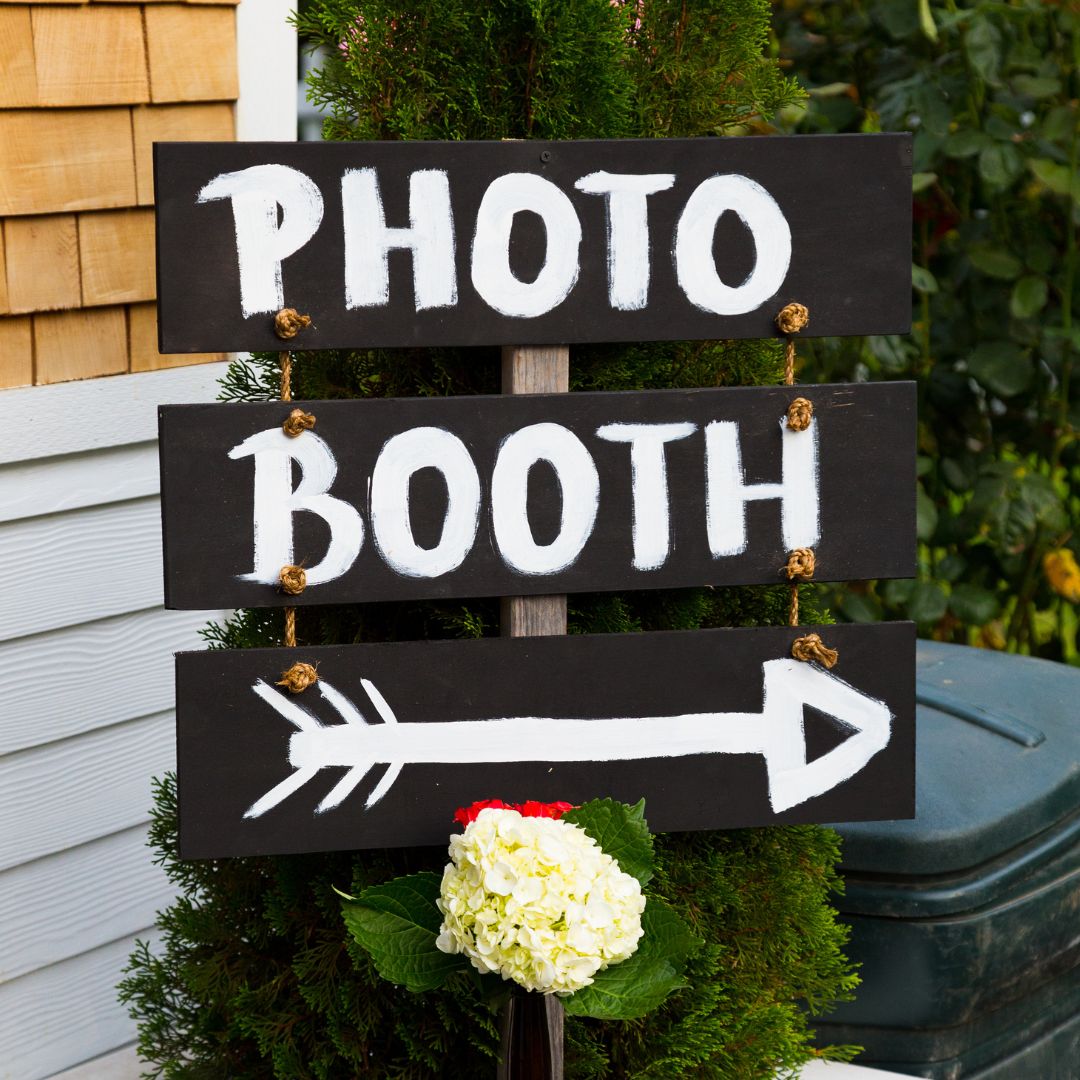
(543, 896)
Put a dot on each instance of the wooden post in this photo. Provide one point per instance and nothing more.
(532, 1025)
(534, 369)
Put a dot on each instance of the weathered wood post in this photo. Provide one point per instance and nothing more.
(532, 1024)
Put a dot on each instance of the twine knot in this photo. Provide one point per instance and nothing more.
(811, 647)
(800, 564)
(293, 580)
(299, 421)
(288, 322)
(799, 413)
(792, 318)
(298, 678)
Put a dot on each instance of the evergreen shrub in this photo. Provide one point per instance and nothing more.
(256, 976)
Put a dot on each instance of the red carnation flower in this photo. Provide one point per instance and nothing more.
(464, 815)
(532, 808)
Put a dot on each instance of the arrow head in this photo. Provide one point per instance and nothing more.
(789, 686)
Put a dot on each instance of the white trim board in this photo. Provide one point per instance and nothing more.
(94, 414)
(268, 63)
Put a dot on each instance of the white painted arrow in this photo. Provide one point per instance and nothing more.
(776, 733)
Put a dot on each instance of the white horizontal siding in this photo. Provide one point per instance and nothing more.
(88, 564)
(71, 681)
(78, 900)
(86, 684)
(71, 481)
(119, 1065)
(65, 794)
(64, 1014)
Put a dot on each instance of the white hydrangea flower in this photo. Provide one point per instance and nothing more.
(536, 900)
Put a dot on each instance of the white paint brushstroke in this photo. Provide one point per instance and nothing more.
(727, 493)
(777, 733)
(506, 196)
(651, 516)
(401, 456)
(262, 244)
(627, 231)
(578, 481)
(368, 240)
(695, 266)
(275, 502)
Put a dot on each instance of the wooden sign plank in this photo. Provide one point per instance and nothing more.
(715, 728)
(406, 498)
(472, 243)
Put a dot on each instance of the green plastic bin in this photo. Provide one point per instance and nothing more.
(966, 920)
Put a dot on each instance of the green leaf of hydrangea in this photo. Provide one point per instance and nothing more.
(396, 924)
(621, 831)
(638, 985)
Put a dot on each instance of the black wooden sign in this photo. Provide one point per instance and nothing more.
(414, 243)
(715, 728)
(406, 498)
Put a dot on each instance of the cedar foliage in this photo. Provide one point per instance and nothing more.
(256, 976)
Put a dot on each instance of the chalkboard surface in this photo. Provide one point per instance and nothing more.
(453, 497)
(715, 728)
(470, 243)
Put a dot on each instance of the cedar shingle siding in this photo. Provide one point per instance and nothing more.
(85, 89)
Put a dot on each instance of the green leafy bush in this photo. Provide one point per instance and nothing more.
(990, 91)
(256, 976)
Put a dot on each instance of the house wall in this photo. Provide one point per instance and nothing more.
(86, 684)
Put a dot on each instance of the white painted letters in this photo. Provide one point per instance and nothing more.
(714, 457)
(491, 274)
(430, 238)
(260, 192)
(262, 243)
(652, 530)
(694, 263)
(580, 485)
(403, 455)
(628, 232)
(727, 493)
(275, 502)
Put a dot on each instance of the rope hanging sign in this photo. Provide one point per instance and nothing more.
(536, 493)
(530, 242)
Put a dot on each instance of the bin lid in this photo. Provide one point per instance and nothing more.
(997, 763)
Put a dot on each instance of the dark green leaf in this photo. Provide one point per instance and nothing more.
(621, 831)
(638, 985)
(1057, 178)
(920, 181)
(1034, 86)
(1028, 296)
(1000, 164)
(995, 262)
(973, 604)
(927, 603)
(926, 515)
(922, 280)
(860, 608)
(1059, 123)
(898, 591)
(955, 475)
(966, 143)
(1001, 367)
(983, 46)
(397, 923)
(951, 566)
